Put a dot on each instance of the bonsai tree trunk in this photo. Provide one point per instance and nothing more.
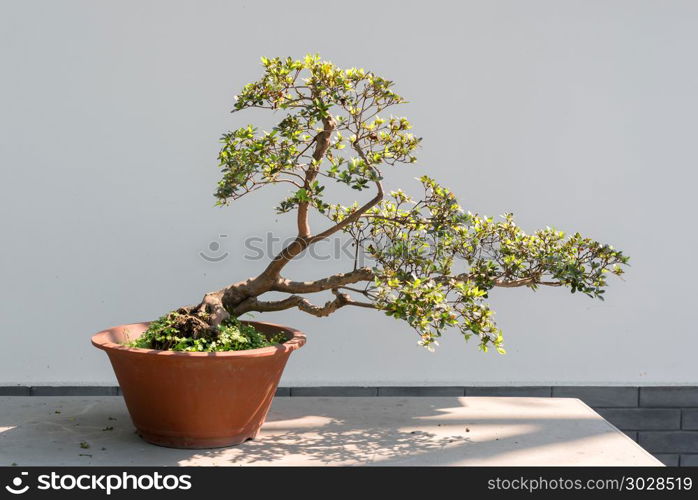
(241, 297)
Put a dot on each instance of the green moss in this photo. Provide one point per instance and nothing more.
(233, 335)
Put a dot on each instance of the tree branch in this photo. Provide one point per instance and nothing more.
(323, 140)
(300, 243)
(341, 300)
(334, 281)
(524, 282)
(360, 211)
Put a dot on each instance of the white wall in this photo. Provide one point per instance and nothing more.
(580, 115)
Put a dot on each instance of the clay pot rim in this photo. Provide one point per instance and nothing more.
(101, 341)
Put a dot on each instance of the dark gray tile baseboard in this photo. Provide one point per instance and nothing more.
(402, 391)
(514, 391)
(60, 390)
(15, 390)
(595, 396)
(334, 391)
(283, 392)
(668, 459)
(669, 441)
(671, 396)
(600, 396)
(74, 391)
(633, 419)
(689, 419)
(631, 434)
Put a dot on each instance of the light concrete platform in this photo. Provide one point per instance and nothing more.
(331, 431)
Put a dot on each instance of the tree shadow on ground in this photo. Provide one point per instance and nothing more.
(336, 444)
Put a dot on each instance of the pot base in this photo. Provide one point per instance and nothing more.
(195, 443)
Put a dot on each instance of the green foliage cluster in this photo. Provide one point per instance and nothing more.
(314, 94)
(433, 264)
(232, 335)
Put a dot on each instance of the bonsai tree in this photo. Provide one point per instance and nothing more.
(431, 264)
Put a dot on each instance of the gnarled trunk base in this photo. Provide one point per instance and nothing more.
(203, 320)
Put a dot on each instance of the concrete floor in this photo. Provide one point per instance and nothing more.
(330, 431)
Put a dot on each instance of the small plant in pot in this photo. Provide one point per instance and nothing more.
(199, 377)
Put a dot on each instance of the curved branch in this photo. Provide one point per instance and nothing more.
(360, 211)
(300, 243)
(322, 144)
(331, 282)
(351, 218)
(341, 300)
(525, 282)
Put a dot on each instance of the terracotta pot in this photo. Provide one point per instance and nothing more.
(197, 399)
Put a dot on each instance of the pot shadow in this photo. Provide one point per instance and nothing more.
(321, 431)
